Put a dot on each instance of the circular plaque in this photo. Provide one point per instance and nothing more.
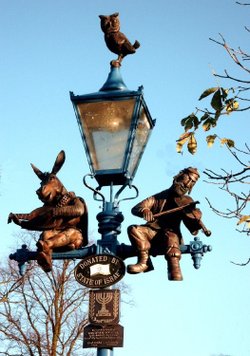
(99, 271)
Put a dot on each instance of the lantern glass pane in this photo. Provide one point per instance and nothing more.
(141, 137)
(106, 127)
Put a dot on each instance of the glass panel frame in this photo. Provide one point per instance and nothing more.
(106, 126)
(136, 127)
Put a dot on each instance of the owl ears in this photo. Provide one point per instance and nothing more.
(113, 15)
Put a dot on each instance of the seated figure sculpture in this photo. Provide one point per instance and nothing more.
(63, 219)
(164, 213)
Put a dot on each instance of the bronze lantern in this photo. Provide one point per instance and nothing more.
(115, 125)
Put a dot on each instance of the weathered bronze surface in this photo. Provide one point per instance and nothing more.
(115, 40)
(63, 219)
(104, 306)
(103, 336)
(99, 271)
(164, 213)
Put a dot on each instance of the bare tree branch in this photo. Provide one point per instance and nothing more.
(241, 264)
(227, 181)
(241, 3)
(50, 318)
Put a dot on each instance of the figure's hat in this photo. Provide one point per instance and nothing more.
(192, 172)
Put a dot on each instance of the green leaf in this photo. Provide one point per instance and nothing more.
(179, 148)
(216, 102)
(224, 93)
(192, 144)
(207, 92)
(189, 122)
(183, 121)
(181, 141)
(244, 218)
(228, 142)
(183, 138)
(196, 122)
(231, 105)
(207, 124)
(216, 116)
(210, 140)
(204, 117)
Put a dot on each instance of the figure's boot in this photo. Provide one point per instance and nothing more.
(173, 256)
(174, 270)
(142, 263)
(44, 256)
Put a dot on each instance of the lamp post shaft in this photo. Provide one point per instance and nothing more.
(104, 352)
(110, 220)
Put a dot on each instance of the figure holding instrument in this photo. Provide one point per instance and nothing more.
(164, 213)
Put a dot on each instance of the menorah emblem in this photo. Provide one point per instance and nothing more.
(104, 306)
(103, 299)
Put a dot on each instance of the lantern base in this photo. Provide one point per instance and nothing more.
(105, 178)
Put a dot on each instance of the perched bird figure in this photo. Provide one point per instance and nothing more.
(115, 40)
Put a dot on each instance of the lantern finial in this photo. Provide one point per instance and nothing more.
(114, 80)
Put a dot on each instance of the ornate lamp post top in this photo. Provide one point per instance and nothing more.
(115, 123)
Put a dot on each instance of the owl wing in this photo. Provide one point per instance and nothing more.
(124, 44)
(120, 38)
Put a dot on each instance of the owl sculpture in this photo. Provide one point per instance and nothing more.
(115, 40)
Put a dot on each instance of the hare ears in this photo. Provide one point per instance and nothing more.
(60, 159)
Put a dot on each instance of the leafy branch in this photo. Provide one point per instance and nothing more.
(224, 101)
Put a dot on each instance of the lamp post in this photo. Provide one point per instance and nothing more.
(115, 125)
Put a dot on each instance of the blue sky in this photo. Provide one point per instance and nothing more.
(49, 48)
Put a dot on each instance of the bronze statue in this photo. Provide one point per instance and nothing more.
(115, 40)
(63, 219)
(164, 213)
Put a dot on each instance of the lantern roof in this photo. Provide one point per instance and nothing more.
(114, 87)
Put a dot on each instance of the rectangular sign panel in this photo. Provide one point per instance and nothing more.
(105, 336)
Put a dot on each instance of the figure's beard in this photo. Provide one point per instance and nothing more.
(180, 189)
